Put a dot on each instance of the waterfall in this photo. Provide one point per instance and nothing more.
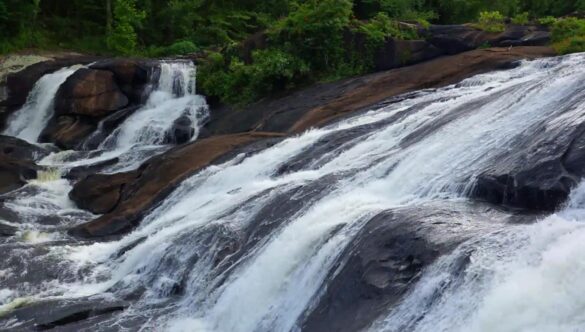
(148, 130)
(28, 122)
(251, 244)
(173, 98)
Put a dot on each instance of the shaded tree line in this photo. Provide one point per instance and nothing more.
(153, 26)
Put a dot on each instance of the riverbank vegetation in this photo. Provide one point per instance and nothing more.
(254, 48)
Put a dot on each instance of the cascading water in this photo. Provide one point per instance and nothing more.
(173, 98)
(28, 122)
(149, 130)
(251, 244)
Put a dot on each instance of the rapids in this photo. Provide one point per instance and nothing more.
(255, 242)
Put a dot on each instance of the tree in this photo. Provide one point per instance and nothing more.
(123, 38)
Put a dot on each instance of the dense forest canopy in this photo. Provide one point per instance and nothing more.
(302, 40)
(134, 26)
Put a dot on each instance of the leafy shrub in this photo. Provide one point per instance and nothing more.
(178, 48)
(271, 70)
(567, 28)
(313, 31)
(570, 45)
(381, 27)
(123, 39)
(547, 20)
(521, 19)
(491, 21)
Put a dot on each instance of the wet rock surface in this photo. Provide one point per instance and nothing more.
(541, 172)
(90, 92)
(17, 163)
(157, 178)
(388, 255)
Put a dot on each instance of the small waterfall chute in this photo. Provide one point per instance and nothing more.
(28, 122)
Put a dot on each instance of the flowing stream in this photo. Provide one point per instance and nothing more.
(251, 244)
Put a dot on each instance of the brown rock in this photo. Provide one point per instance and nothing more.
(141, 189)
(132, 76)
(372, 89)
(68, 131)
(90, 92)
(100, 193)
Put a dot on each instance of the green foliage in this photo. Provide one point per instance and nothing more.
(567, 28)
(547, 20)
(491, 21)
(318, 39)
(521, 19)
(568, 35)
(313, 31)
(123, 39)
(570, 45)
(271, 71)
(183, 47)
(381, 27)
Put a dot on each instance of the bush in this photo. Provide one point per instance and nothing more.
(313, 31)
(178, 48)
(571, 45)
(521, 19)
(491, 22)
(272, 70)
(381, 27)
(547, 20)
(567, 28)
(568, 35)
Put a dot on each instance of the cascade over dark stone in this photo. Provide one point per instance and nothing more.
(109, 91)
(20, 84)
(387, 257)
(540, 172)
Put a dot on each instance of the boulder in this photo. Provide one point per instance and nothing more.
(90, 92)
(14, 173)
(17, 163)
(388, 256)
(398, 53)
(132, 76)
(100, 193)
(12, 147)
(454, 39)
(181, 132)
(539, 172)
(68, 131)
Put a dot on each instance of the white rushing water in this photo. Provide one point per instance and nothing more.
(28, 122)
(248, 245)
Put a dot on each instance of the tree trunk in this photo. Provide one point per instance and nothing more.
(109, 18)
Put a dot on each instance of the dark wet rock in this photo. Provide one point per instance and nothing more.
(12, 147)
(132, 76)
(55, 314)
(14, 173)
(181, 132)
(81, 172)
(454, 39)
(387, 258)
(540, 171)
(90, 92)
(68, 131)
(7, 230)
(155, 179)
(100, 193)
(399, 53)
